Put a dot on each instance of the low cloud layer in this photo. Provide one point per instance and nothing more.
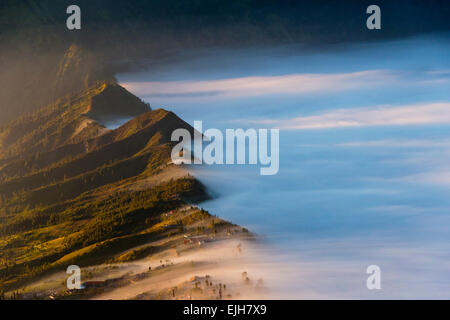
(420, 114)
(398, 143)
(262, 85)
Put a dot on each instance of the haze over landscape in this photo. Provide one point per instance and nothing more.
(87, 176)
(363, 172)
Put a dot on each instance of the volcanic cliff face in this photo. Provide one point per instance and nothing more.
(32, 78)
(78, 69)
(67, 182)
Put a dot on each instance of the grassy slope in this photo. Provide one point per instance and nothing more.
(71, 201)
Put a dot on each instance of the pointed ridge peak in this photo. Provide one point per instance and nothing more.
(109, 101)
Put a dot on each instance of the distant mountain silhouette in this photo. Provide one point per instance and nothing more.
(116, 35)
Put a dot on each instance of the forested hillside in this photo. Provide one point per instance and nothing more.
(72, 190)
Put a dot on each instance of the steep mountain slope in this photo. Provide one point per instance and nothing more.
(32, 78)
(70, 186)
(70, 120)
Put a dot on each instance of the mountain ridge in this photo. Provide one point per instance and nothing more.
(102, 188)
(131, 141)
(65, 117)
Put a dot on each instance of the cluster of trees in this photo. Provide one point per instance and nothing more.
(127, 213)
(119, 214)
